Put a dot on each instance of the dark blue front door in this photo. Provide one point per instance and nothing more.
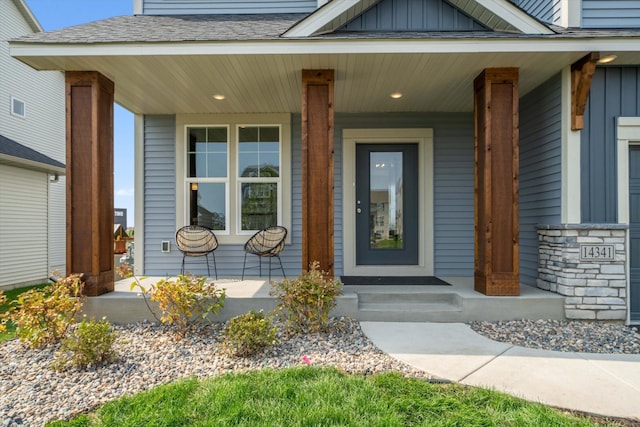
(387, 229)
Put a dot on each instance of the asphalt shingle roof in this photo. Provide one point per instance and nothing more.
(14, 149)
(173, 28)
(207, 28)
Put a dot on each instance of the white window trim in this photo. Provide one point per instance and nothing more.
(628, 134)
(231, 236)
(424, 138)
(12, 111)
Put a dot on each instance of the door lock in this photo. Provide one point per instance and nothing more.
(359, 210)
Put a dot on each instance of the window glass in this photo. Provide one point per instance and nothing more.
(259, 151)
(208, 151)
(207, 205)
(256, 185)
(259, 205)
(17, 107)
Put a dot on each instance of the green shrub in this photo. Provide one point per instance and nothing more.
(42, 316)
(183, 301)
(248, 334)
(304, 303)
(90, 343)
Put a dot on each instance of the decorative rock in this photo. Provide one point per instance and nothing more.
(31, 392)
(567, 335)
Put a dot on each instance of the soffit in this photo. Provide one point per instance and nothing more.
(442, 82)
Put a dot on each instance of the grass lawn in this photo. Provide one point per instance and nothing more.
(11, 296)
(312, 396)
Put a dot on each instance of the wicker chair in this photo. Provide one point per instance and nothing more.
(268, 242)
(197, 241)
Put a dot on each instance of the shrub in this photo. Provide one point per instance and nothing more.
(90, 343)
(248, 334)
(43, 316)
(304, 303)
(183, 301)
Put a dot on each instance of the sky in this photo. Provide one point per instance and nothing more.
(55, 14)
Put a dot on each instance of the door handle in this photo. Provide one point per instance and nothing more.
(359, 210)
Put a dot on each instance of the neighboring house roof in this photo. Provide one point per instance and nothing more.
(16, 154)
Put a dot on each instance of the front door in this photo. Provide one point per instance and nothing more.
(387, 200)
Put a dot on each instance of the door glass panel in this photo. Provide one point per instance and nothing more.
(385, 198)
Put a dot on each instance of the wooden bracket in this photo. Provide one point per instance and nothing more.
(581, 74)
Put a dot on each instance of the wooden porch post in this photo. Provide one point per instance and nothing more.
(89, 117)
(496, 182)
(317, 168)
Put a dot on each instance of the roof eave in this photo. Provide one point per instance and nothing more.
(7, 159)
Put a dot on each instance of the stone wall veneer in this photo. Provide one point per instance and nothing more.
(595, 289)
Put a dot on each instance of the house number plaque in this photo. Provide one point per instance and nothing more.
(597, 252)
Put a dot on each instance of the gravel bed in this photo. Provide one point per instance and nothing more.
(32, 394)
(565, 335)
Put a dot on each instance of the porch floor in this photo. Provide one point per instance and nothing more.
(455, 303)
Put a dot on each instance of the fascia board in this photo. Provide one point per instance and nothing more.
(30, 164)
(514, 16)
(321, 17)
(301, 47)
(28, 16)
(509, 16)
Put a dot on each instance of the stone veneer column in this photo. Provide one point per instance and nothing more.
(594, 289)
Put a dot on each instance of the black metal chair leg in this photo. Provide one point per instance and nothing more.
(206, 257)
(281, 267)
(270, 269)
(182, 270)
(244, 265)
(215, 267)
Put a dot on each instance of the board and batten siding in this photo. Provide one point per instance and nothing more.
(413, 15)
(610, 13)
(23, 226)
(197, 7)
(615, 92)
(545, 10)
(540, 170)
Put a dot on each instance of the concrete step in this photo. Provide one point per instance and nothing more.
(407, 297)
(408, 306)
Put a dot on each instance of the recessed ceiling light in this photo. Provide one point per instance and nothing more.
(607, 59)
(396, 95)
(218, 97)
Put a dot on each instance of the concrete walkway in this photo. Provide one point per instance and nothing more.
(602, 384)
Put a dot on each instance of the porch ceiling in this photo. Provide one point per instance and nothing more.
(255, 83)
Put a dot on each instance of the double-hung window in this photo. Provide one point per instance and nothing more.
(236, 181)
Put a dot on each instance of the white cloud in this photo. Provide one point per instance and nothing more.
(124, 192)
